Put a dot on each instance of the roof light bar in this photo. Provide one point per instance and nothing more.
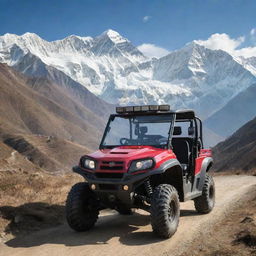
(146, 108)
(119, 110)
(164, 107)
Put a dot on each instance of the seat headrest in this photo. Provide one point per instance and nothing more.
(191, 131)
(177, 130)
(143, 129)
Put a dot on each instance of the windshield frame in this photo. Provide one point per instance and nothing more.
(112, 116)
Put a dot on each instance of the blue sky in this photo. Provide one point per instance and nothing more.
(165, 23)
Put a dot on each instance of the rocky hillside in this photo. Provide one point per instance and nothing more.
(238, 152)
(39, 106)
(44, 153)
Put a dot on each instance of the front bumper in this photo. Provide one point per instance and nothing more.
(111, 191)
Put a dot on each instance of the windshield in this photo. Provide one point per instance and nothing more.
(151, 130)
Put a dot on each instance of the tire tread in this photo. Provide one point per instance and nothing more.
(77, 217)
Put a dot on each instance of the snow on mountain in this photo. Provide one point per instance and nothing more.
(116, 71)
(248, 63)
(212, 76)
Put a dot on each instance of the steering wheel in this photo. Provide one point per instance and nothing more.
(124, 141)
(163, 141)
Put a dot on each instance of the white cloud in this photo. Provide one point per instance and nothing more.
(222, 42)
(151, 50)
(146, 18)
(231, 45)
(253, 32)
(246, 52)
(253, 36)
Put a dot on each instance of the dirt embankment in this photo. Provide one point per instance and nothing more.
(233, 235)
(31, 201)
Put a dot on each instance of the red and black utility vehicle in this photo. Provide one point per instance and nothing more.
(150, 158)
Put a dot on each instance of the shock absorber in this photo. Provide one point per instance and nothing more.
(148, 188)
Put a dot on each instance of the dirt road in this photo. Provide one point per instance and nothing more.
(131, 235)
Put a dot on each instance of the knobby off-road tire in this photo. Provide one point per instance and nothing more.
(206, 202)
(165, 210)
(81, 207)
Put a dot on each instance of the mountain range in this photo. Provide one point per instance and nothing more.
(109, 69)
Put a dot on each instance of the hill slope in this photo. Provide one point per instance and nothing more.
(234, 114)
(46, 153)
(37, 106)
(238, 152)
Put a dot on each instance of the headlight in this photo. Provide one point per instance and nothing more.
(88, 163)
(139, 165)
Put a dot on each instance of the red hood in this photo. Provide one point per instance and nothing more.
(127, 152)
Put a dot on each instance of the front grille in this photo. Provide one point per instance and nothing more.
(103, 175)
(114, 162)
(108, 187)
(114, 168)
(112, 165)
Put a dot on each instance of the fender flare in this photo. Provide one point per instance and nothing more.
(166, 166)
(173, 175)
(206, 165)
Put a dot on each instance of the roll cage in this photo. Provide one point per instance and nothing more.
(178, 116)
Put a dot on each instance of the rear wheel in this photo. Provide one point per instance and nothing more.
(206, 202)
(165, 210)
(81, 207)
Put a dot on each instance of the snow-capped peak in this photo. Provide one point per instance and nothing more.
(112, 68)
(83, 38)
(30, 35)
(114, 36)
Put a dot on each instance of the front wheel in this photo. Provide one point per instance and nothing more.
(165, 210)
(206, 202)
(81, 207)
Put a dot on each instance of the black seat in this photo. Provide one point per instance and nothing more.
(181, 150)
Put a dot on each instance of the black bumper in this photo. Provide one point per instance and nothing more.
(111, 191)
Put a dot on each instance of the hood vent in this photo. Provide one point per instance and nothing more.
(117, 153)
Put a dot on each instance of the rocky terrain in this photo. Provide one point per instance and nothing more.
(40, 107)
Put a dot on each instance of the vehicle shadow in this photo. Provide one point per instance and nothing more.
(127, 230)
(188, 213)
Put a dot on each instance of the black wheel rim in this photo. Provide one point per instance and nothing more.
(172, 211)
